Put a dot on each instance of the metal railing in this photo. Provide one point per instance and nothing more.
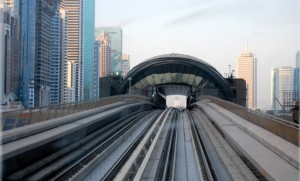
(19, 118)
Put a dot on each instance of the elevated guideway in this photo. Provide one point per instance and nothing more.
(28, 148)
(131, 140)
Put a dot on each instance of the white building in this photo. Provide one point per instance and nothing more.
(246, 67)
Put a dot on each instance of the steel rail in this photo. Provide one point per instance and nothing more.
(110, 175)
(166, 168)
(207, 170)
(72, 170)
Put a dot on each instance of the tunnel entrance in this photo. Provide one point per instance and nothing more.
(177, 101)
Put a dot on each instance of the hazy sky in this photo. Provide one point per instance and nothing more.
(215, 31)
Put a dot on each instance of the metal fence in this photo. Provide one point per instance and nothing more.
(19, 118)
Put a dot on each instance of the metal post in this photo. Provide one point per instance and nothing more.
(129, 90)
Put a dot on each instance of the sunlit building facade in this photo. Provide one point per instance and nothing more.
(246, 69)
(282, 88)
(75, 48)
(116, 36)
(104, 54)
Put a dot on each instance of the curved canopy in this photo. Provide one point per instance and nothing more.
(177, 69)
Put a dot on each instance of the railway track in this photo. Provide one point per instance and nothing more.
(154, 145)
(65, 163)
(207, 171)
(166, 169)
(110, 175)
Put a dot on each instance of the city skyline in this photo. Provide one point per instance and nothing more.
(214, 31)
(209, 30)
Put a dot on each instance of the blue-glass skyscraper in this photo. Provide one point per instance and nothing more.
(88, 38)
(55, 62)
(96, 69)
(115, 34)
(35, 52)
(28, 50)
(282, 88)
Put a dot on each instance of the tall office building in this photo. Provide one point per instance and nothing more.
(35, 42)
(115, 34)
(297, 77)
(64, 91)
(96, 73)
(75, 48)
(125, 65)
(59, 54)
(105, 48)
(2, 53)
(88, 62)
(247, 69)
(11, 56)
(55, 59)
(282, 88)
(15, 78)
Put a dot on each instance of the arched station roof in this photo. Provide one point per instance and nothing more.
(176, 69)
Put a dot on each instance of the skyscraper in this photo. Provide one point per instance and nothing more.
(115, 34)
(11, 56)
(297, 77)
(59, 54)
(96, 73)
(36, 38)
(88, 60)
(75, 48)
(105, 48)
(55, 63)
(2, 53)
(282, 88)
(63, 95)
(125, 65)
(247, 69)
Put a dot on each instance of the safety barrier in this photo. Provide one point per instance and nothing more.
(282, 128)
(19, 118)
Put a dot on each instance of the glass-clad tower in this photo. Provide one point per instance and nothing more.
(96, 73)
(35, 51)
(55, 59)
(282, 88)
(297, 77)
(88, 38)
